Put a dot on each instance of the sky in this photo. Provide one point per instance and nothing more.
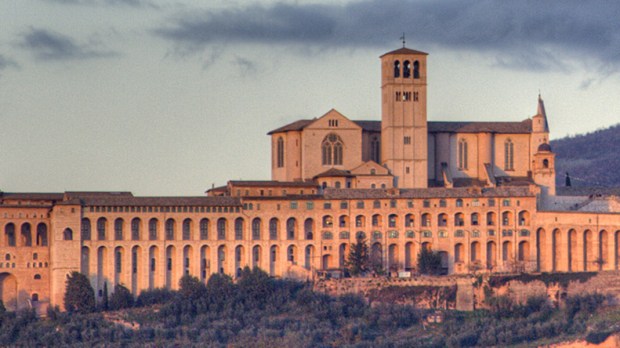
(172, 97)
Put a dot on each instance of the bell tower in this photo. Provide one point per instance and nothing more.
(403, 117)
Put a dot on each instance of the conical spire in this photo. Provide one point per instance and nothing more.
(541, 112)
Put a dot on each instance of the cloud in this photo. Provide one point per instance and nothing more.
(130, 3)
(6, 63)
(245, 66)
(522, 33)
(50, 46)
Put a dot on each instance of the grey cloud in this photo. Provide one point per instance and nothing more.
(246, 66)
(7, 63)
(519, 32)
(131, 3)
(50, 46)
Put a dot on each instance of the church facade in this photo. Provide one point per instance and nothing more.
(482, 194)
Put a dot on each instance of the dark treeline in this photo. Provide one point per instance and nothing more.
(259, 310)
(590, 159)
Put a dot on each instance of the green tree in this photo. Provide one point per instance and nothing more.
(358, 258)
(121, 298)
(429, 262)
(79, 295)
(191, 288)
(255, 285)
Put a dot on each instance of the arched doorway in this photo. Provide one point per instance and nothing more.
(409, 256)
(8, 291)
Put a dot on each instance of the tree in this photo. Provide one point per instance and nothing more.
(121, 298)
(191, 288)
(79, 295)
(429, 262)
(358, 258)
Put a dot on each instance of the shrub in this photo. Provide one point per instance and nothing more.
(429, 262)
(154, 296)
(121, 298)
(191, 288)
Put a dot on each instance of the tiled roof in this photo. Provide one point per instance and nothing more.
(524, 126)
(405, 50)
(478, 127)
(333, 172)
(32, 196)
(369, 126)
(295, 126)
(331, 193)
(271, 183)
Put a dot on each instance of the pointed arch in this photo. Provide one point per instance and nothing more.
(280, 152)
(462, 158)
(332, 150)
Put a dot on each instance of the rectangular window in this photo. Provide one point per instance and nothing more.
(409, 204)
(327, 205)
(309, 205)
(293, 204)
(344, 205)
(407, 140)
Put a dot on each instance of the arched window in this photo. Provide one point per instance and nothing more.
(406, 69)
(135, 229)
(204, 229)
(375, 149)
(187, 229)
(9, 232)
(239, 229)
(153, 229)
(291, 227)
(416, 70)
(42, 234)
(221, 229)
(462, 154)
(256, 229)
(35, 297)
(509, 155)
(309, 227)
(101, 226)
(273, 229)
(280, 152)
(67, 234)
(85, 229)
(26, 235)
(332, 150)
(118, 229)
(396, 68)
(545, 163)
(169, 229)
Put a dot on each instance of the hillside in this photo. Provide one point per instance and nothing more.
(591, 159)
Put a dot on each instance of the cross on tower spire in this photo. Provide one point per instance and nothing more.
(403, 38)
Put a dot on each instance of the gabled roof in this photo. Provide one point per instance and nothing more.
(334, 172)
(524, 126)
(295, 126)
(404, 50)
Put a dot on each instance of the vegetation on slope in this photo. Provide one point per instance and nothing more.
(590, 159)
(259, 310)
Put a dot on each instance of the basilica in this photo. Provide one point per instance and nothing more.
(481, 194)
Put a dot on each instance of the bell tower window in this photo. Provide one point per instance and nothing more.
(396, 68)
(416, 70)
(406, 69)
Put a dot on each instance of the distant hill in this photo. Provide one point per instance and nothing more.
(591, 159)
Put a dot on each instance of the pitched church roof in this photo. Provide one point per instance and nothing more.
(405, 50)
(524, 126)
